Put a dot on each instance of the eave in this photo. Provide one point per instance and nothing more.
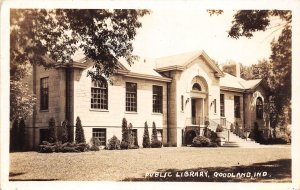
(170, 68)
(143, 76)
(231, 89)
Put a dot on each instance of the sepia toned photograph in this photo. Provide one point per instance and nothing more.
(150, 95)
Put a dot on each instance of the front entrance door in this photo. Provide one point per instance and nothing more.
(194, 122)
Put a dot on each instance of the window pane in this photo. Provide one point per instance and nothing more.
(222, 107)
(131, 97)
(100, 134)
(237, 107)
(99, 95)
(259, 108)
(157, 99)
(135, 135)
(44, 93)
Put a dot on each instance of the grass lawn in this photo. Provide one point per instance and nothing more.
(132, 165)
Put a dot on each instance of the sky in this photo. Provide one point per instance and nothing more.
(169, 32)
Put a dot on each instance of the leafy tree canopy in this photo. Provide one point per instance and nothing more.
(47, 37)
(39, 36)
(278, 72)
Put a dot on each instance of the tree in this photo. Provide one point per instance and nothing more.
(154, 133)
(146, 138)
(21, 100)
(65, 136)
(14, 136)
(130, 136)
(22, 134)
(70, 129)
(47, 37)
(79, 138)
(125, 137)
(104, 36)
(52, 131)
(246, 23)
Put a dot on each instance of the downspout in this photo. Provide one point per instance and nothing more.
(67, 93)
(168, 113)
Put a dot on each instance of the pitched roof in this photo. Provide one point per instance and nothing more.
(180, 61)
(177, 60)
(142, 66)
(234, 83)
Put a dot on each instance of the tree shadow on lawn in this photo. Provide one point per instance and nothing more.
(275, 171)
(13, 174)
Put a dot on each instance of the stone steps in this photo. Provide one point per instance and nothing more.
(235, 141)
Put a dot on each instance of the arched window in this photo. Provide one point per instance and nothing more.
(196, 87)
(99, 95)
(259, 108)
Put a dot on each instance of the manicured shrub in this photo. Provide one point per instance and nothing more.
(82, 147)
(206, 131)
(134, 146)
(79, 138)
(125, 137)
(219, 128)
(154, 132)
(130, 136)
(124, 145)
(113, 144)
(64, 137)
(131, 143)
(146, 139)
(279, 137)
(94, 148)
(256, 134)
(213, 136)
(52, 131)
(47, 147)
(95, 143)
(70, 131)
(201, 141)
(155, 143)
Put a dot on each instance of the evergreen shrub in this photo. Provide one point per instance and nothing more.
(113, 144)
(146, 139)
(201, 141)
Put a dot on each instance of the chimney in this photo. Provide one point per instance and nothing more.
(232, 68)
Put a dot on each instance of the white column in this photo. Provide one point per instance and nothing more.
(203, 107)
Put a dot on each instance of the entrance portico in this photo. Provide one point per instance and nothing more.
(199, 109)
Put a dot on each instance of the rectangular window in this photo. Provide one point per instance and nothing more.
(135, 136)
(99, 95)
(157, 99)
(237, 107)
(222, 105)
(44, 135)
(160, 134)
(131, 97)
(100, 133)
(44, 94)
